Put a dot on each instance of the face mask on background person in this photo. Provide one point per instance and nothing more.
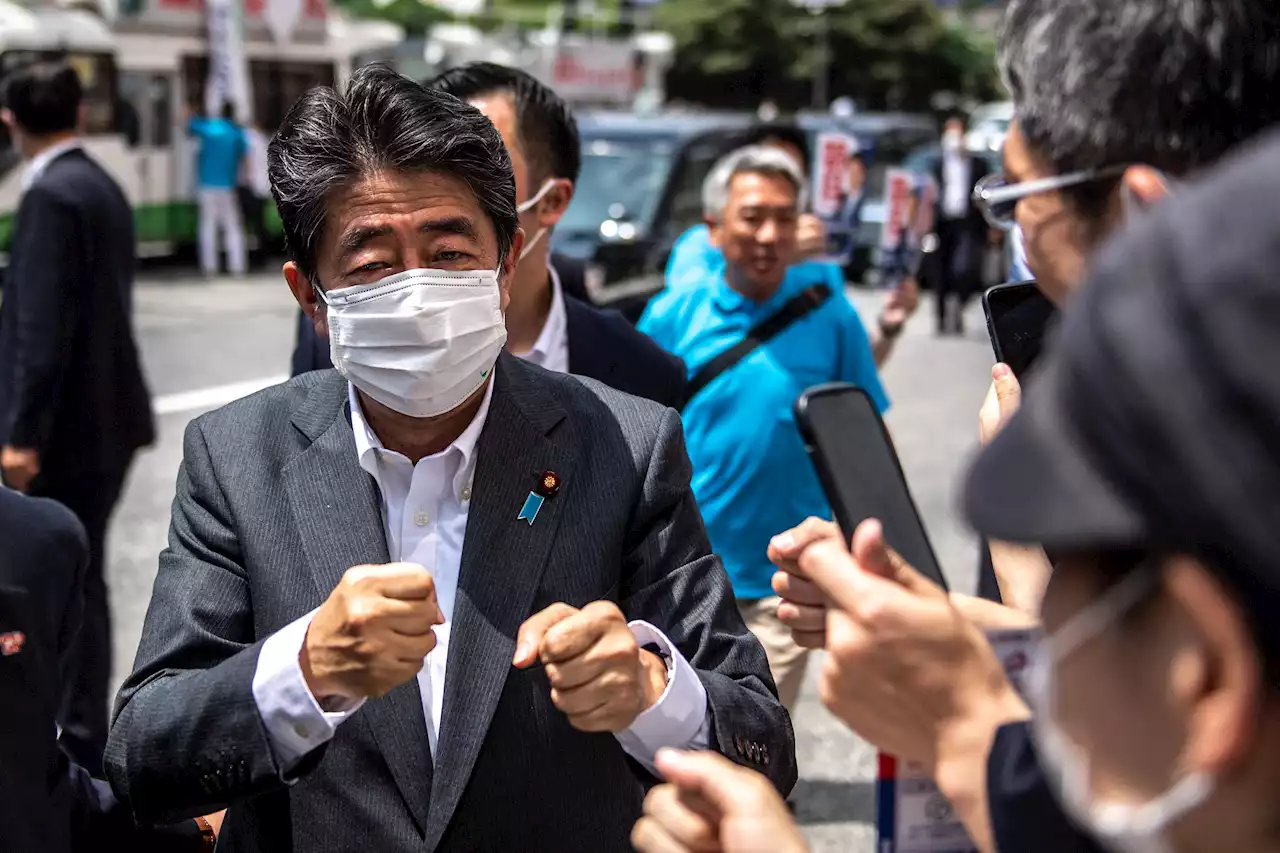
(526, 207)
(1120, 827)
(420, 342)
(952, 141)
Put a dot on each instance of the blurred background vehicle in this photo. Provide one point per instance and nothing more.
(988, 125)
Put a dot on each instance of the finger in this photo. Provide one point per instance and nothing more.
(810, 639)
(725, 786)
(407, 649)
(832, 569)
(582, 670)
(874, 555)
(798, 590)
(990, 616)
(419, 618)
(673, 809)
(799, 617)
(581, 701)
(649, 836)
(789, 544)
(408, 581)
(529, 637)
(577, 634)
(1008, 391)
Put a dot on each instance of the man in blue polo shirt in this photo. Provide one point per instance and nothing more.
(751, 476)
(222, 148)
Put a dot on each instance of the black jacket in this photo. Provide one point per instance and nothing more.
(70, 381)
(1024, 814)
(602, 346)
(47, 804)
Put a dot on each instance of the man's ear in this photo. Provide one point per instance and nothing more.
(305, 295)
(1144, 184)
(508, 269)
(555, 203)
(713, 229)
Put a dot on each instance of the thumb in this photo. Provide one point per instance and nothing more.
(872, 554)
(1008, 390)
(718, 781)
(529, 637)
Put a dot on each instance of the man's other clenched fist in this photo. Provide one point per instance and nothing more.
(372, 633)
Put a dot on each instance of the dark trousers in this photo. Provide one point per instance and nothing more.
(957, 267)
(84, 707)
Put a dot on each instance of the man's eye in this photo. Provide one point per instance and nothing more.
(450, 255)
(372, 266)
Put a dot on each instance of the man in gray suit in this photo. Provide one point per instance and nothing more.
(346, 545)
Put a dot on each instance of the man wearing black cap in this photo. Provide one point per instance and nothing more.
(1148, 459)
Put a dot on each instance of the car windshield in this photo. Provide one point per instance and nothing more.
(620, 178)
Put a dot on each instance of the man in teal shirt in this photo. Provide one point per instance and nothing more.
(222, 149)
(751, 476)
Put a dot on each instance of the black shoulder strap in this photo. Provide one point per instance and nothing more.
(797, 307)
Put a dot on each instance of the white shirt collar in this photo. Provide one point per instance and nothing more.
(369, 446)
(42, 160)
(551, 347)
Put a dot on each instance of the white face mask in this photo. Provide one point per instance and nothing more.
(952, 141)
(1121, 827)
(529, 205)
(419, 342)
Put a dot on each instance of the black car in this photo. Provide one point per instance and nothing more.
(640, 188)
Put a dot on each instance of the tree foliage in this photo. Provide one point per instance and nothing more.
(885, 54)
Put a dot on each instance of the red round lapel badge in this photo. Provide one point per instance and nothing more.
(548, 484)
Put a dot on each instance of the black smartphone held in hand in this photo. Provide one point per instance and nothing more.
(860, 473)
(1018, 315)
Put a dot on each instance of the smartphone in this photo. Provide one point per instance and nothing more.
(859, 470)
(1018, 315)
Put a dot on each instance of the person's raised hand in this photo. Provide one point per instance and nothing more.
(901, 303)
(904, 668)
(1004, 396)
(811, 236)
(600, 677)
(710, 804)
(372, 632)
(803, 608)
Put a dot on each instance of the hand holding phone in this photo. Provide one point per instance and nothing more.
(1018, 315)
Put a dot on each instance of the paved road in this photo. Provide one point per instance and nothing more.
(204, 344)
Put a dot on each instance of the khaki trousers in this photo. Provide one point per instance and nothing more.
(786, 659)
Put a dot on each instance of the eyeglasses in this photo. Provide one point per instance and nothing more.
(997, 198)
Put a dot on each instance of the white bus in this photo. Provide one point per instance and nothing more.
(144, 70)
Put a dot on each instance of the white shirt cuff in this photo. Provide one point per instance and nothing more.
(294, 720)
(680, 718)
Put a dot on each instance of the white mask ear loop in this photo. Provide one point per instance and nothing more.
(527, 206)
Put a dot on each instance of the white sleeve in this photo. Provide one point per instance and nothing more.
(680, 718)
(294, 720)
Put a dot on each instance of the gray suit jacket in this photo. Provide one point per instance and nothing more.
(272, 507)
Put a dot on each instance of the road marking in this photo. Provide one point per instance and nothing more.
(211, 398)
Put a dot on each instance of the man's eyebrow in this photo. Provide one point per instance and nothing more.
(459, 225)
(354, 240)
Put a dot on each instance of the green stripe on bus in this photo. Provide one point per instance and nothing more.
(172, 222)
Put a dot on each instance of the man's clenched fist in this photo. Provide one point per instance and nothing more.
(600, 677)
(372, 633)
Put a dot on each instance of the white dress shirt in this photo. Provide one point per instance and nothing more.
(551, 349)
(41, 161)
(957, 184)
(424, 512)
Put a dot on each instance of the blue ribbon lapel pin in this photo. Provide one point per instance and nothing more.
(548, 485)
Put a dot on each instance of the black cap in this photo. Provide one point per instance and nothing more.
(1154, 422)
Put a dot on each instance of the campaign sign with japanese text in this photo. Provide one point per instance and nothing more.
(912, 815)
(835, 199)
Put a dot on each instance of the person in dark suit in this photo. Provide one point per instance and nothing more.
(962, 232)
(74, 407)
(48, 803)
(517, 550)
(549, 322)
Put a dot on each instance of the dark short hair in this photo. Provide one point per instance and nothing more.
(546, 127)
(790, 134)
(44, 97)
(228, 111)
(1170, 83)
(330, 140)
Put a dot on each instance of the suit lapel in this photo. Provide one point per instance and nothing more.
(502, 563)
(337, 508)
